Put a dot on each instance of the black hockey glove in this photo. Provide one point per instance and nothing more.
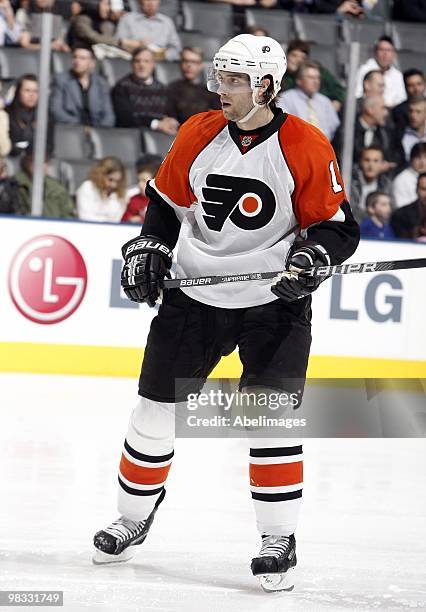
(302, 255)
(147, 260)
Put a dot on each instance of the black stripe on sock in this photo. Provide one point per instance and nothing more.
(276, 497)
(284, 451)
(143, 492)
(150, 458)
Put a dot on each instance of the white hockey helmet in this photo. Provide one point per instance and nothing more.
(256, 56)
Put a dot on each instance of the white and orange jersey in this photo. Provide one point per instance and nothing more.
(241, 208)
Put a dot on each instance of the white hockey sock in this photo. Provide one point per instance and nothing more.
(276, 480)
(146, 459)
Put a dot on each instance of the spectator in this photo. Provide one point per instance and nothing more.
(22, 113)
(10, 32)
(140, 100)
(368, 177)
(379, 211)
(29, 18)
(373, 83)
(8, 191)
(189, 95)
(80, 95)
(415, 86)
(5, 143)
(405, 184)
(383, 60)
(371, 129)
(256, 31)
(406, 220)
(306, 102)
(297, 54)
(414, 10)
(56, 201)
(151, 30)
(146, 168)
(96, 23)
(341, 7)
(102, 196)
(415, 132)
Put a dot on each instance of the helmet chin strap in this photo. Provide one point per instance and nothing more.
(254, 110)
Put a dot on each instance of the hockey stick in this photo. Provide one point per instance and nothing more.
(350, 268)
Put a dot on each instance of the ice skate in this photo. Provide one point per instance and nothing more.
(275, 563)
(116, 543)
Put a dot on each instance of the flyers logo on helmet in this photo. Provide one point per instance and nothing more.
(249, 203)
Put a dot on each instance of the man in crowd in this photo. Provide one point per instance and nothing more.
(306, 102)
(371, 129)
(383, 60)
(56, 200)
(368, 177)
(140, 100)
(405, 184)
(415, 86)
(81, 95)
(297, 54)
(407, 219)
(415, 131)
(189, 95)
(149, 29)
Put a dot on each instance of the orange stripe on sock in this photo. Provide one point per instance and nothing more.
(143, 475)
(276, 475)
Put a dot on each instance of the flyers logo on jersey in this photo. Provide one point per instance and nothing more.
(249, 203)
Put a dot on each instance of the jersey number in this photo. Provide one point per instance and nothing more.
(337, 187)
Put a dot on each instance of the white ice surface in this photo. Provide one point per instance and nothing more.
(361, 540)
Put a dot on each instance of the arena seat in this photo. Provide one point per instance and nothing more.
(156, 142)
(71, 142)
(409, 59)
(14, 62)
(115, 69)
(409, 36)
(208, 18)
(73, 172)
(327, 56)
(278, 23)
(61, 61)
(365, 32)
(124, 143)
(320, 29)
(209, 44)
(166, 72)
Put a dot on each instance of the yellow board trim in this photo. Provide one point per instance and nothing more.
(121, 361)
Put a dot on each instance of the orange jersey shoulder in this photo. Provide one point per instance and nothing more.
(319, 189)
(193, 136)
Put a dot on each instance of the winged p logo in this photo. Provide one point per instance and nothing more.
(249, 203)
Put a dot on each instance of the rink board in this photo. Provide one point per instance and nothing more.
(62, 309)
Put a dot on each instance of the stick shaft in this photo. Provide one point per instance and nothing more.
(350, 268)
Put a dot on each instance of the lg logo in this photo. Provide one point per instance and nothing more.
(47, 279)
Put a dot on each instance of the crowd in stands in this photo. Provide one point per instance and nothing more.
(388, 186)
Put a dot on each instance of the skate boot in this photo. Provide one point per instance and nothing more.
(275, 563)
(117, 542)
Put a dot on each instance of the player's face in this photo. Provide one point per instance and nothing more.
(371, 164)
(415, 86)
(235, 94)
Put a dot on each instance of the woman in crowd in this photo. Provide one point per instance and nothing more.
(102, 197)
(22, 116)
(96, 23)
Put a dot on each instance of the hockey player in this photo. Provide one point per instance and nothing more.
(245, 189)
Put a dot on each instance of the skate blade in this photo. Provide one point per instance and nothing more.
(277, 582)
(101, 558)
